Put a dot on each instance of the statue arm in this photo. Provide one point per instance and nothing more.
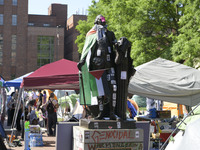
(89, 43)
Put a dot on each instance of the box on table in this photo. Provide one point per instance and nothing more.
(164, 114)
(164, 135)
(164, 125)
(34, 128)
(100, 139)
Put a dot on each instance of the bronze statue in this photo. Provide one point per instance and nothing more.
(98, 69)
(124, 70)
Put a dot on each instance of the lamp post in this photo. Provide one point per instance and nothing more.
(58, 36)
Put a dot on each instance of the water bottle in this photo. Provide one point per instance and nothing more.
(34, 141)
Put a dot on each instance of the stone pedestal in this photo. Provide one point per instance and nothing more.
(107, 135)
(108, 124)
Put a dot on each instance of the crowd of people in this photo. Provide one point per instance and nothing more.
(36, 102)
(41, 108)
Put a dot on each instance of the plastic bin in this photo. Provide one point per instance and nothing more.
(35, 140)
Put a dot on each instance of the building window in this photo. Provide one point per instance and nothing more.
(1, 49)
(13, 50)
(14, 20)
(1, 2)
(14, 2)
(46, 25)
(30, 24)
(45, 50)
(1, 19)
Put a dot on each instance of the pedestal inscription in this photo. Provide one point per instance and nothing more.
(104, 139)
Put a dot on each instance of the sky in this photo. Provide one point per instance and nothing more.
(40, 7)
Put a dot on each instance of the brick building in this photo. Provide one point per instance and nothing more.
(13, 37)
(46, 37)
(29, 41)
(71, 51)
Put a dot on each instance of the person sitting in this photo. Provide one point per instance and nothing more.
(33, 118)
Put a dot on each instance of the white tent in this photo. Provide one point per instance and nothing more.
(188, 140)
(166, 80)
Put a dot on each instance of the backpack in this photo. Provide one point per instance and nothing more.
(50, 108)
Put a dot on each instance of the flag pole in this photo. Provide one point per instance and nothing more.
(86, 110)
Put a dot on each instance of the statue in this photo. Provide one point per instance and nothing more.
(124, 70)
(98, 69)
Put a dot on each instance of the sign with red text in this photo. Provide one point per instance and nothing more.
(96, 136)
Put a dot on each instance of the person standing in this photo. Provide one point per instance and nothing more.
(52, 106)
(151, 107)
(33, 97)
(40, 100)
(44, 98)
(11, 107)
(43, 108)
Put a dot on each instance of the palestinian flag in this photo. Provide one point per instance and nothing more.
(97, 73)
(92, 81)
(1, 84)
(1, 81)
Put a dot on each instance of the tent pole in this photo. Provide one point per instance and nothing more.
(3, 94)
(182, 121)
(23, 122)
(16, 113)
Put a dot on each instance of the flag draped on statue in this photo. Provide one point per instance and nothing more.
(97, 73)
(92, 82)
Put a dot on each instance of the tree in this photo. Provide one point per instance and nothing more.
(156, 28)
(186, 45)
(84, 26)
(147, 24)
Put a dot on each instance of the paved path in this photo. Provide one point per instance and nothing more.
(49, 144)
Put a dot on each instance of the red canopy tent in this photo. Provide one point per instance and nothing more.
(61, 74)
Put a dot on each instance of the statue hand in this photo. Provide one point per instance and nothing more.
(80, 64)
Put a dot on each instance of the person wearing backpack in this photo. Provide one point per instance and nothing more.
(52, 106)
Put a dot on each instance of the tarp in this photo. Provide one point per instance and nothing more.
(165, 80)
(61, 74)
(15, 82)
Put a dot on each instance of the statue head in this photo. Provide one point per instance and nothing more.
(100, 20)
